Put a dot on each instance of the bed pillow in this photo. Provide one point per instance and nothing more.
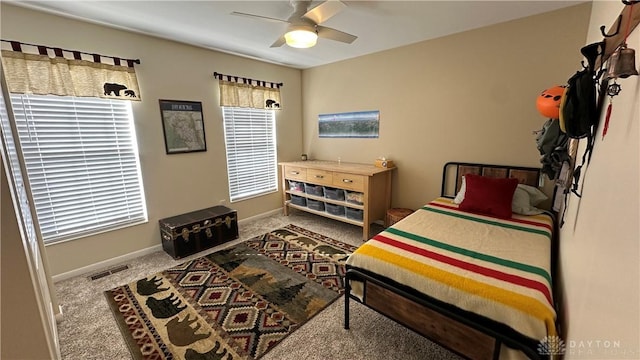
(460, 195)
(535, 195)
(524, 195)
(525, 198)
(489, 196)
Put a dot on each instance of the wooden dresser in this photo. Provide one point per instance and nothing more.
(357, 194)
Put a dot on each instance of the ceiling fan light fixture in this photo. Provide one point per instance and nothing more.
(301, 38)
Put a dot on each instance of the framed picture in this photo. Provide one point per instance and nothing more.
(359, 124)
(183, 126)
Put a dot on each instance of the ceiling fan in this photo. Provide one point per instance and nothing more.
(304, 25)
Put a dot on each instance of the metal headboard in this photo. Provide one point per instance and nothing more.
(453, 172)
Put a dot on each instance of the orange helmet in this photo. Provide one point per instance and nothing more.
(548, 102)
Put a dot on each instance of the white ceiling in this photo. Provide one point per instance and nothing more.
(379, 25)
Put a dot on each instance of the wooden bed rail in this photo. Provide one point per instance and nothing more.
(478, 337)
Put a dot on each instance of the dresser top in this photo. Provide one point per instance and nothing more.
(352, 168)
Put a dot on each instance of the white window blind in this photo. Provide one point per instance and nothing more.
(82, 163)
(12, 161)
(251, 151)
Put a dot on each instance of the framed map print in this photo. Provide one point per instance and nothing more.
(183, 126)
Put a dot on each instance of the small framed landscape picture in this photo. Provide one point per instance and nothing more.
(183, 126)
(358, 124)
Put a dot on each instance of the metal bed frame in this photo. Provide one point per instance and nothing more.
(479, 327)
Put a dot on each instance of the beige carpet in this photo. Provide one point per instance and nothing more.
(89, 331)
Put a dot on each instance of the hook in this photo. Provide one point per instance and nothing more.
(630, 2)
(618, 23)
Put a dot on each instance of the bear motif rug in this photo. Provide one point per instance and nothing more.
(236, 303)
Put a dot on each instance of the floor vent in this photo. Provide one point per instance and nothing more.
(108, 272)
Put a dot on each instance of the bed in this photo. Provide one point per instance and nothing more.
(465, 273)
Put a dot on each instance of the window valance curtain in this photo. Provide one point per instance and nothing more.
(241, 92)
(41, 74)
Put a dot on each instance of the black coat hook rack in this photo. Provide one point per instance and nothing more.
(602, 28)
(626, 2)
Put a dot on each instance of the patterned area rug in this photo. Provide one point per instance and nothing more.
(233, 304)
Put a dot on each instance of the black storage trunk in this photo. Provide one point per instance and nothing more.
(189, 233)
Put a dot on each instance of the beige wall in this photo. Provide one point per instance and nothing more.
(600, 251)
(466, 97)
(176, 183)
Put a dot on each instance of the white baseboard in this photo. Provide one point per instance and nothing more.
(105, 263)
(123, 258)
(259, 216)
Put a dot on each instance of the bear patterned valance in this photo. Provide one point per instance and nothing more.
(241, 92)
(43, 74)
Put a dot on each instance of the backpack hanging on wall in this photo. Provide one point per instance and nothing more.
(579, 108)
(578, 111)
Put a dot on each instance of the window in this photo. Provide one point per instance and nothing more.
(251, 151)
(82, 164)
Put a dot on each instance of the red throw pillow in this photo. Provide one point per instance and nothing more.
(489, 196)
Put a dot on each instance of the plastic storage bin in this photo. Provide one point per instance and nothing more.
(354, 197)
(333, 193)
(354, 214)
(296, 186)
(312, 189)
(315, 204)
(335, 209)
(298, 200)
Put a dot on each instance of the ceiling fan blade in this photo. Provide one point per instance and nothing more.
(259, 17)
(333, 34)
(281, 41)
(324, 11)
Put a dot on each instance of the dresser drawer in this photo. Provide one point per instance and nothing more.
(295, 173)
(349, 181)
(321, 177)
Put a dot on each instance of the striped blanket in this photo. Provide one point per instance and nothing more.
(499, 269)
